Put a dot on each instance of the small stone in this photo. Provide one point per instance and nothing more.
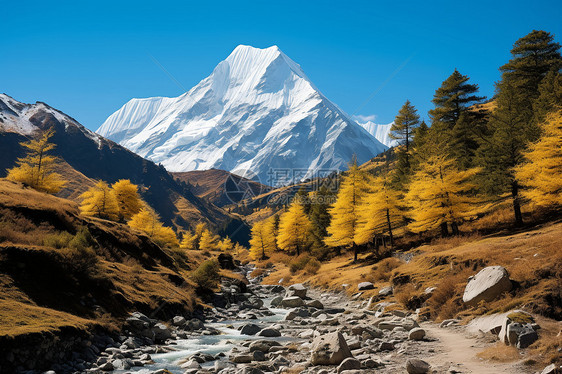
(363, 286)
(416, 334)
(349, 363)
(417, 366)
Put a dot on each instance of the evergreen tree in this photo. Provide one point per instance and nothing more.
(129, 202)
(542, 173)
(403, 128)
(99, 201)
(550, 96)
(36, 168)
(294, 230)
(533, 56)
(301, 197)
(380, 211)
(225, 245)
(441, 195)
(262, 241)
(207, 241)
(189, 241)
(345, 211)
(451, 100)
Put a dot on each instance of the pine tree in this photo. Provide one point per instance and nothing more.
(36, 168)
(550, 96)
(380, 211)
(441, 195)
(148, 221)
(403, 128)
(542, 173)
(345, 211)
(451, 100)
(99, 201)
(128, 200)
(295, 230)
(262, 241)
(533, 56)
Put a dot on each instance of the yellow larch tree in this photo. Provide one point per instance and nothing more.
(225, 245)
(345, 211)
(295, 230)
(99, 201)
(148, 221)
(207, 241)
(262, 241)
(441, 195)
(542, 173)
(189, 241)
(380, 211)
(36, 168)
(129, 202)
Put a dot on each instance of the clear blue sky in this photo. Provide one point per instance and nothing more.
(89, 58)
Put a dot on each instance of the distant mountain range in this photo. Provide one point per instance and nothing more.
(88, 156)
(256, 113)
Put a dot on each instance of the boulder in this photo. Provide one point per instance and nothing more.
(178, 321)
(416, 334)
(417, 366)
(226, 261)
(386, 291)
(292, 302)
(329, 349)
(241, 359)
(349, 363)
(263, 345)
(276, 301)
(315, 304)
(161, 332)
(297, 290)
(363, 286)
(250, 329)
(487, 285)
(269, 333)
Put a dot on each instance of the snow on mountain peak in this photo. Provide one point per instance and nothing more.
(257, 111)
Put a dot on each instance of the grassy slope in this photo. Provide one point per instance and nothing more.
(43, 288)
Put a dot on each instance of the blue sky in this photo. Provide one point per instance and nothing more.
(89, 58)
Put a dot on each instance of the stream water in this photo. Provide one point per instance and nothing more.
(209, 344)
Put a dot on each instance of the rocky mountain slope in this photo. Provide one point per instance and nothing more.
(88, 156)
(257, 111)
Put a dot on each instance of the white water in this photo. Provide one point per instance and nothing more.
(210, 344)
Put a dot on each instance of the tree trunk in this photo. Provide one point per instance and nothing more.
(455, 228)
(444, 230)
(516, 203)
(389, 228)
(298, 250)
(354, 252)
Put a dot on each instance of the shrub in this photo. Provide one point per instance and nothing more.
(59, 240)
(297, 264)
(206, 276)
(382, 270)
(312, 266)
(81, 260)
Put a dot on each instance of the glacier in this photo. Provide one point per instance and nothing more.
(256, 113)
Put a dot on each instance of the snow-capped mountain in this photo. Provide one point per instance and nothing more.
(381, 132)
(256, 113)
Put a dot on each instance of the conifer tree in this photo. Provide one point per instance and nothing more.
(207, 241)
(319, 214)
(345, 211)
(99, 201)
(542, 173)
(550, 96)
(225, 245)
(451, 100)
(403, 128)
(129, 202)
(262, 241)
(441, 195)
(36, 168)
(148, 221)
(380, 211)
(189, 241)
(295, 230)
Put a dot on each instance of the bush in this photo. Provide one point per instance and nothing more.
(81, 260)
(298, 263)
(206, 276)
(382, 270)
(59, 240)
(312, 266)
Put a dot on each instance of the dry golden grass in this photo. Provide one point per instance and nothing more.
(500, 352)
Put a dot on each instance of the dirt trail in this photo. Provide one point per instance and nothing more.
(457, 348)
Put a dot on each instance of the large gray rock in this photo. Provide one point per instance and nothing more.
(417, 366)
(292, 302)
(386, 291)
(349, 363)
(297, 289)
(363, 286)
(329, 349)
(250, 329)
(416, 334)
(160, 332)
(487, 285)
(276, 301)
(315, 304)
(269, 333)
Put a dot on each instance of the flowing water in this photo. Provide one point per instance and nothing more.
(210, 344)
